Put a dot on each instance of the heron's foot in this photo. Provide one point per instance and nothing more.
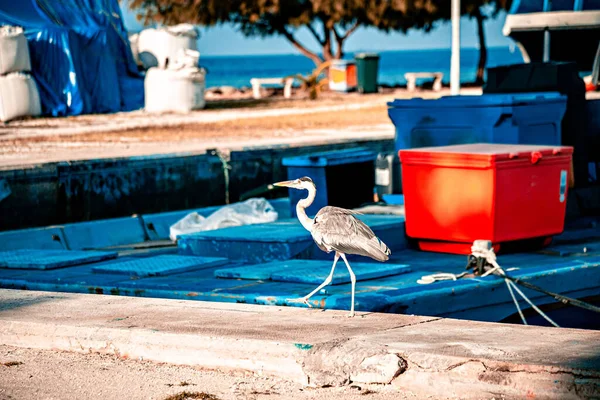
(300, 300)
(351, 315)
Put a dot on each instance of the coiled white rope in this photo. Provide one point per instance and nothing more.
(442, 276)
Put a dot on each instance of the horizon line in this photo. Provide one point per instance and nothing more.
(349, 52)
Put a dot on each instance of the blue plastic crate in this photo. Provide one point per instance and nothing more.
(523, 118)
(330, 171)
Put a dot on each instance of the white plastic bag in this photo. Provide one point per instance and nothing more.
(14, 51)
(19, 97)
(174, 90)
(252, 211)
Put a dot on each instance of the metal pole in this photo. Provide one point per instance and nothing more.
(546, 45)
(455, 58)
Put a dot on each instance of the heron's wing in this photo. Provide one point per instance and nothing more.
(338, 229)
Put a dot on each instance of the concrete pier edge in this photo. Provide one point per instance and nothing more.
(424, 355)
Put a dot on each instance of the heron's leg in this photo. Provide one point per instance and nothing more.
(353, 280)
(326, 282)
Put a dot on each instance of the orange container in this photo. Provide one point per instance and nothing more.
(455, 195)
(342, 76)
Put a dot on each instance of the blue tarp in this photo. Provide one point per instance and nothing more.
(80, 55)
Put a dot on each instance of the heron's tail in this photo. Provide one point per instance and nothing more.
(377, 250)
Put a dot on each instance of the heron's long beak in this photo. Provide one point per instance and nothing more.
(284, 183)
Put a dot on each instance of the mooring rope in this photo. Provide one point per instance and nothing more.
(481, 253)
(484, 250)
(226, 168)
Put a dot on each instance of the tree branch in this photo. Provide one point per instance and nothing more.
(316, 35)
(339, 39)
(336, 34)
(301, 48)
(327, 54)
(351, 30)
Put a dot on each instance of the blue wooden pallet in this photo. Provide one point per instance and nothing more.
(311, 271)
(50, 259)
(280, 240)
(161, 265)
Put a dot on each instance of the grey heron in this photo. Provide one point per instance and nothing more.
(336, 229)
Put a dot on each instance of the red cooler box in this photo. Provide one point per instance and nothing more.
(454, 195)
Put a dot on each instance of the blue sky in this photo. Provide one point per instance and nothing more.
(225, 40)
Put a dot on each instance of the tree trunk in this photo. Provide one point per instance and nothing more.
(290, 37)
(482, 48)
(327, 53)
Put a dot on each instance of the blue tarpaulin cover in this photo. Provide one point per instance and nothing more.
(80, 55)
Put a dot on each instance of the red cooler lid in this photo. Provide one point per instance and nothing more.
(480, 155)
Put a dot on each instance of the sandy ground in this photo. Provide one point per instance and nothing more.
(225, 124)
(41, 374)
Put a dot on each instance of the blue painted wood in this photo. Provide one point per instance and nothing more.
(280, 240)
(50, 259)
(477, 298)
(395, 199)
(37, 238)
(159, 265)
(311, 271)
(363, 272)
(77, 276)
(398, 294)
(200, 281)
(583, 249)
(158, 225)
(104, 233)
(330, 158)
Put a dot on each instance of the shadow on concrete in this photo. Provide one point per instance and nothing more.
(8, 302)
(241, 103)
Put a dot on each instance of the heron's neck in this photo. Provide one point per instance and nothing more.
(301, 207)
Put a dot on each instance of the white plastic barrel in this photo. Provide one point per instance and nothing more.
(180, 90)
(156, 46)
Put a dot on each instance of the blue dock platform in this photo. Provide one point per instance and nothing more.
(275, 263)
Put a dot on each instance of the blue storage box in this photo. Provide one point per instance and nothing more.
(519, 118)
(331, 171)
